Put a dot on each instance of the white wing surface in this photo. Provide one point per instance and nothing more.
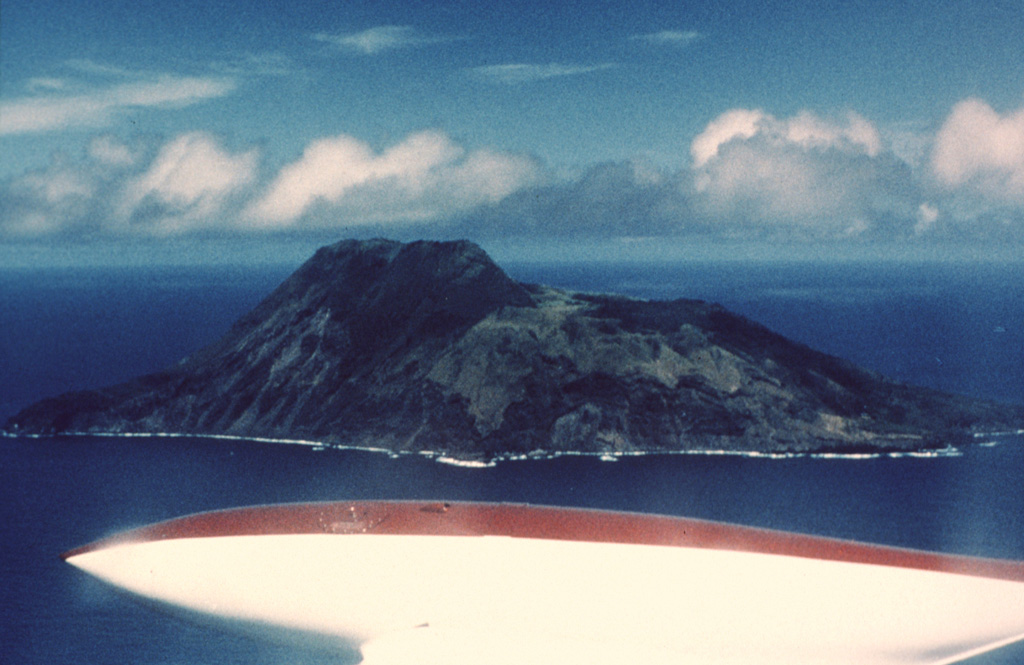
(421, 583)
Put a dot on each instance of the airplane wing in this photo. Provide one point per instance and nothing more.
(415, 583)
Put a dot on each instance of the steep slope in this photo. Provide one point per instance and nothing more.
(430, 346)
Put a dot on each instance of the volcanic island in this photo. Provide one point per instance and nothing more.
(430, 347)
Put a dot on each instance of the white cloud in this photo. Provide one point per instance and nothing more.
(423, 178)
(776, 184)
(187, 185)
(808, 130)
(331, 167)
(515, 73)
(927, 215)
(170, 91)
(487, 176)
(108, 150)
(737, 123)
(190, 183)
(59, 198)
(804, 129)
(380, 39)
(822, 176)
(981, 152)
(98, 106)
(59, 186)
(911, 141)
(676, 38)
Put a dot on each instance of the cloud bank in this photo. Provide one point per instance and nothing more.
(192, 183)
(746, 175)
(805, 178)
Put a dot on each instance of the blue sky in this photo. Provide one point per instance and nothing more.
(829, 129)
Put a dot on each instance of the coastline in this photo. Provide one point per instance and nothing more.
(991, 439)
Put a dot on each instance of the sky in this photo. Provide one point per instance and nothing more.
(138, 130)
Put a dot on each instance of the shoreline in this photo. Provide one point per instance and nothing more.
(538, 455)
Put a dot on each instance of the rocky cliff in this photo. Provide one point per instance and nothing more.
(431, 346)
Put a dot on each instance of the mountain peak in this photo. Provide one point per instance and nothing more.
(456, 276)
(384, 292)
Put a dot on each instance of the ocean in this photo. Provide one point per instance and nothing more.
(956, 327)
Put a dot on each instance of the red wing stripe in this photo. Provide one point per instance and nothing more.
(524, 521)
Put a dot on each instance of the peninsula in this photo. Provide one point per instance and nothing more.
(430, 346)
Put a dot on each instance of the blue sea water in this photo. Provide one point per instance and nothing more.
(958, 328)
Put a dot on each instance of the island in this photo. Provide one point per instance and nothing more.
(431, 347)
